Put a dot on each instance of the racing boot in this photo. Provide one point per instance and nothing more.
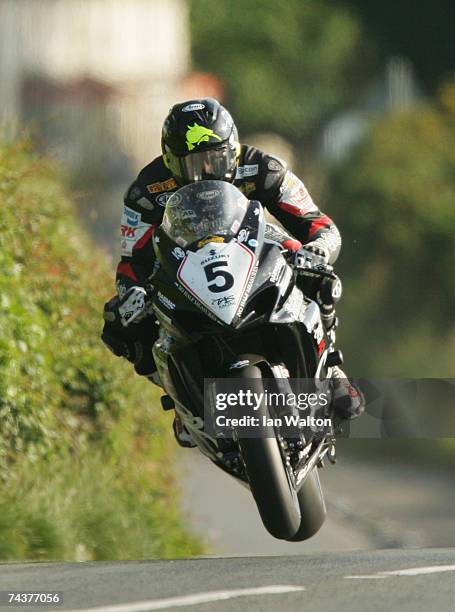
(348, 400)
(182, 435)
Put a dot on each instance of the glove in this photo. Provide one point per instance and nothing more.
(134, 342)
(311, 257)
(132, 307)
(115, 343)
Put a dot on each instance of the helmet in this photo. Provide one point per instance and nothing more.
(200, 142)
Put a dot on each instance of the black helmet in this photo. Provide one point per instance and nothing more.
(199, 141)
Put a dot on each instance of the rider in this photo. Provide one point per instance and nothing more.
(200, 141)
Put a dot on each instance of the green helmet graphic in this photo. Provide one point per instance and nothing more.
(197, 134)
(199, 142)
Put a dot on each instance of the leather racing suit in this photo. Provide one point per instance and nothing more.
(260, 177)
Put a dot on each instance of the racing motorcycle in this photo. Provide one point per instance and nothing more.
(229, 306)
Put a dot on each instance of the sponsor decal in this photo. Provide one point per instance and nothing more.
(195, 134)
(223, 302)
(243, 235)
(208, 195)
(133, 305)
(235, 227)
(274, 165)
(246, 292)
(250, 170)
(276, 271)
(257, 211)
(181, 241)
(208, 239)
(132, 216)
(167, 303)
(196, 302)
(253, 242)
(245, 171)
(127, 231)
(178, 253)
(223, 271)
(213, 255)
(247, 188)
(162, 186)
(132, 230)
(163, 198)
(294, 197)
(192, 107)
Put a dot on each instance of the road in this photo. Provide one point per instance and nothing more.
(398, 516)
(371, 504)
(405, 580)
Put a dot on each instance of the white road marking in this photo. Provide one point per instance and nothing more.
(412, 571)
(193, 599)
(415, 571)
(364, 576)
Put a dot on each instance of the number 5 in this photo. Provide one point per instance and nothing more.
(213, 274)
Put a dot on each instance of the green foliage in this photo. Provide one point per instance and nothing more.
(92, 506)
(84, 454)
(394, 201)
(420, 31)
(285, 65)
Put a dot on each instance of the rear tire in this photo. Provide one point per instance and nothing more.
(275, 498)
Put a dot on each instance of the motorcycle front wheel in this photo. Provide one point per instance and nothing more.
(275, 497)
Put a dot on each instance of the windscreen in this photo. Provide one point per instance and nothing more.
(204, 208)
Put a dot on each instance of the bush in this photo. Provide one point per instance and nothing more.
(85, 454)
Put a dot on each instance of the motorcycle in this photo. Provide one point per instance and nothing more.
(229, 306)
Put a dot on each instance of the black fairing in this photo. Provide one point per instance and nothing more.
(205, 346)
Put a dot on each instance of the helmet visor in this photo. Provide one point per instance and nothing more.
(212, 164)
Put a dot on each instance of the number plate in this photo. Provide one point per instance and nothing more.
(217, 275)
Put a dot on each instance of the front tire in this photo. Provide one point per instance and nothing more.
(275, 497)
(312, 507)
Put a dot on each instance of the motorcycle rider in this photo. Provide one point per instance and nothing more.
(200, 141)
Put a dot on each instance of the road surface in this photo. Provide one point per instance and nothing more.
(371, 504)
(404, 580)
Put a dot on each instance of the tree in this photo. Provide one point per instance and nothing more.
(394, 201)
(285, 65)
(420, 31)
